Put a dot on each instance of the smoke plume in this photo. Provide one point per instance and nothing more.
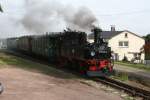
(45, 16)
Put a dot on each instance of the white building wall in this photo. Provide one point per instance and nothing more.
(90, 40)
(135, 44)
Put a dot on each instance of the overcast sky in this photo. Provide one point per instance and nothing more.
(132, 15)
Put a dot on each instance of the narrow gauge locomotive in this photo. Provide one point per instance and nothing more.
(69, 48)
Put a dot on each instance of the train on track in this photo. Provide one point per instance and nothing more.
(68, 49)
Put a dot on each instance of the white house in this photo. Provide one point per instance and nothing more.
(124, 44)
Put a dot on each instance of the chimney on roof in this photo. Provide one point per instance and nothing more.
(113, 28)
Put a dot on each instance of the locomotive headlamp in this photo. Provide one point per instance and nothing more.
(92, 53)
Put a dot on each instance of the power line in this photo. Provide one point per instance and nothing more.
(125, 13)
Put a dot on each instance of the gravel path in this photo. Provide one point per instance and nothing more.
(25, 85)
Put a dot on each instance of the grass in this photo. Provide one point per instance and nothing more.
(121, 77)
(139, 66)
(17, 62)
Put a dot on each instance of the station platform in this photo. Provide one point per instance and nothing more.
(135, 74)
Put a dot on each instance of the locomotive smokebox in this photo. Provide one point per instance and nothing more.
(97, 34)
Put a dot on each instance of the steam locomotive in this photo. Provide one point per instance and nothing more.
(68, 49)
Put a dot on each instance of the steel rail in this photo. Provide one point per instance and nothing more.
(134, 91)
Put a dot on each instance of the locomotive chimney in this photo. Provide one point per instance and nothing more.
(97, 33)
(113, 28)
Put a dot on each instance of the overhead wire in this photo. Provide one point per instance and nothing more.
(125, 13)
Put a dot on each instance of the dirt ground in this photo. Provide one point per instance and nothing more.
(26, 85)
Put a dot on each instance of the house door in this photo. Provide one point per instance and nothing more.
(116, 57)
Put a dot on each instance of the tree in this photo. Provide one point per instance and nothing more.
(125, 59)
(147, 50)
(147, 46)
(147, 38)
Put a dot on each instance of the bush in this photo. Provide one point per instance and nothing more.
(125, 59)
(147, 56)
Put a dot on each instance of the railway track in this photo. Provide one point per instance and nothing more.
(134, 91)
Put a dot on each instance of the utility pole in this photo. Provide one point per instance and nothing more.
(1, 10)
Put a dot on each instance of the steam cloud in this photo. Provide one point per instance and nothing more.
(40, 16)
(44, 16)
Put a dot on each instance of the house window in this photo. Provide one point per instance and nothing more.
(126, 35)
(123, 43)
(126, 43)
(120, 44)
